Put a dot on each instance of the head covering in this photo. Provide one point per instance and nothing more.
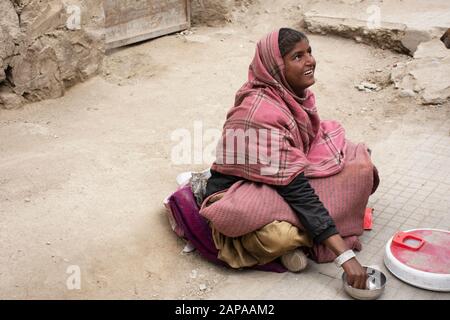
(271, 135)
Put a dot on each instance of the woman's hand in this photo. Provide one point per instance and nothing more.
(356, 275)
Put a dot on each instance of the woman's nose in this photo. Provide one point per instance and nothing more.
(310, 59)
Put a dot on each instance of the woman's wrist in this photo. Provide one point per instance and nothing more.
(344, 257)
(336, 244)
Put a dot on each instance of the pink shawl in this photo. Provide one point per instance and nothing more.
(271, 135)
(247, 206)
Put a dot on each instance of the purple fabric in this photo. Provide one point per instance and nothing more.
(185, 211)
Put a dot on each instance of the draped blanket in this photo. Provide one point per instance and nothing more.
(248, 206)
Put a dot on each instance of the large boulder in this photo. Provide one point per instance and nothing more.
(9, 34)
(44, 54)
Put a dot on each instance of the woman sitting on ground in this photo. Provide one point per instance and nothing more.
(292, 150)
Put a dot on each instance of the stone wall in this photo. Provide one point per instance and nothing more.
(44, 50)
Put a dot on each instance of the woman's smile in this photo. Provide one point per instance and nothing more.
(309, 72)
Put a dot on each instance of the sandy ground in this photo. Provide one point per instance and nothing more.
(83, 177)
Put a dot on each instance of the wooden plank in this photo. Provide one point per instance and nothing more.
(145, 36)
(130, 21)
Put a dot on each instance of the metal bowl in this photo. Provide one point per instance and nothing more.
(376, 283)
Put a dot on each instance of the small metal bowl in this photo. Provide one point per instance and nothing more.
(376, 282)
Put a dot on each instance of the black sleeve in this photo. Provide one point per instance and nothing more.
(218, 182)
(310, 210)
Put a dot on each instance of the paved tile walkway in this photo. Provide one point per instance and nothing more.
(414, 193)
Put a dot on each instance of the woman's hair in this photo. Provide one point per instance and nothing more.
(288, 38)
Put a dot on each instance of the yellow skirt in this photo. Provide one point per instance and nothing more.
(261, 246)
(258, 247)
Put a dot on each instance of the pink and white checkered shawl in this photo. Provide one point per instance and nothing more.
(271, 135)
(248, 206)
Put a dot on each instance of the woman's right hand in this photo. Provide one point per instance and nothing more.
(356, 274)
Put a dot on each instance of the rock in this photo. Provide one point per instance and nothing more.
(186, 33)
(360, 87)
(431, 49)
(446, 38)
(9, 19)
(9, 33)
(426, 75)
(2, 71)
(202, 287)
(37, 19)
(41, 57)
(369, 85)
(36, 74)
(10, 100)
(412, 38)
(193, 274)
(407, 93)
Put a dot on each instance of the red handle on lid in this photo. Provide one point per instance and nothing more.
(400, 238)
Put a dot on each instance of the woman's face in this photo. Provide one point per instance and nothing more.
(299, 67)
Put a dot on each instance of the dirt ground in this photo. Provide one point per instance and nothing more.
(83, 177)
